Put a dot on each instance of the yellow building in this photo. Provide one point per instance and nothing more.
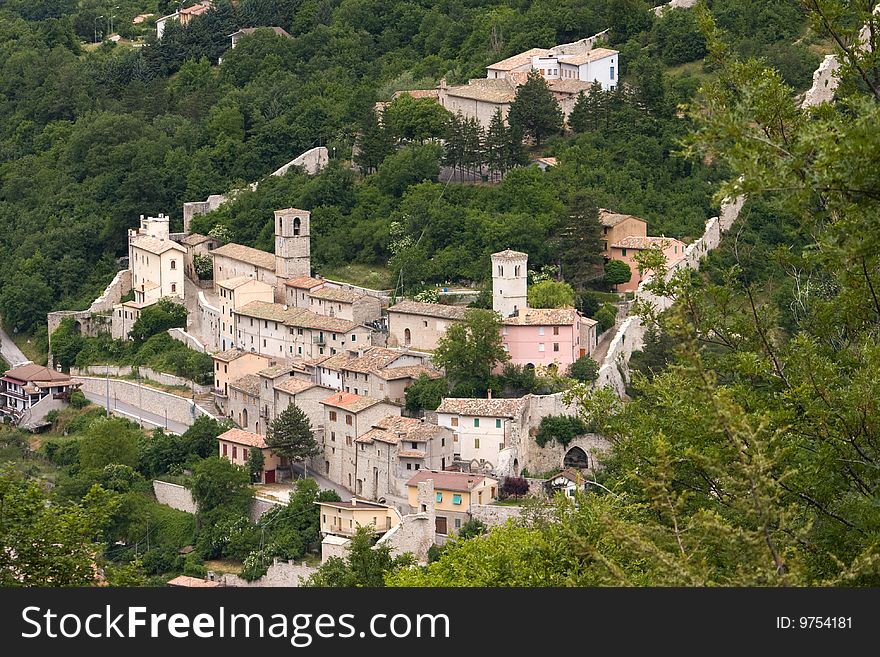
(236, 293)
(454, 493)
(231, 365)
(343, 518)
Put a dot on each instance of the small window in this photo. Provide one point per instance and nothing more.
(540, 330)
(555, 346)
(439, 496)
(476, 421)
(555, 330)
(612, 73)
(173, 288)
(333, 416)
(623, 252)
(498, 423)
(454, 422)
(476, 443)
(456, 499)
(458, 523)
(540, 346)
(174, 264)
(348, 420)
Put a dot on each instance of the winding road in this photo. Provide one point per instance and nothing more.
(10, 351)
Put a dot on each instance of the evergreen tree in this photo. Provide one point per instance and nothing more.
(495, 144)
(290, 435)
(534, 110)
(473, 145)
(588, 110)
(454, 151)
(579, 243)
(374, 144)
(515, 154)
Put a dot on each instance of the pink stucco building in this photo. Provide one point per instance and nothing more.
(547, 336)
(626, 249)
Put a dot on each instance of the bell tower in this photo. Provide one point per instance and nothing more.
(509, 282)
(292, 247)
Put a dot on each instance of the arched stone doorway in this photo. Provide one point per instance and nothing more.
(407, 337)
(576, 458)
(516, 467)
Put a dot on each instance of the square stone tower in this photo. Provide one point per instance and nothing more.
(509, 282)
(292, 247)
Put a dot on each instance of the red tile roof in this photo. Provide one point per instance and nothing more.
(242, 437)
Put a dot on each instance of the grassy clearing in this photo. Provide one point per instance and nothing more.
(374, 277)
(29, 347)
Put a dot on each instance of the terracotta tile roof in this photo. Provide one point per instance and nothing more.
(154, 245)
(280, 31)
(248, 384)
(373, 360)
(350, 402)
(33, 372)
(508, 254)
(569, 473)
(275, 371)
(411, 454)
(304, 282)
(416, 93)
(242, 437)
(139, 305)
(543, 317)
(482, 407)
(233, 354)
(296, 386)
(192, 582)
(256, 257)
(337, 294)
(563, 86)
(395, 428)
(589, 56)
(428, 309)
(408, 372)
(518, 60)
(303, 318)
(266, 310)
(462, 481)
(634, 242)
(609, 218)
(355, 504)
(194, 239)
(499, 91)
(238, 281)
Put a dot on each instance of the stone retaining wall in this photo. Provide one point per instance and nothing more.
(144, 372)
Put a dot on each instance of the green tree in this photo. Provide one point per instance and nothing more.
(66, 343)
(416, 119)
(109, 441)
(534, 111)
(49, 543)
(584, 369)
(496, 144)
(551, 294)
(617, 272)
(629, 18)
(203, 264)
(218, 484)
(579, 243)
(363, 566)
(409, 166)
(290, 435)
(426, 393)
(158, 318)
(374, 144)
(589, 110)
(255, 463)
(469, 351)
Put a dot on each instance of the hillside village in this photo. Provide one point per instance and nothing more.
(412, 415)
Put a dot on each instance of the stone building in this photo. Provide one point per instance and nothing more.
(231, 365)
(420, 325)
(343, 518)
(454, 493)
(483, 428)
(393, 449)
(347, 416)
(345, 304)
(375, 372)
(234, 293)
(156, 262)
(509, 282)
(194, 243)
(236, 445)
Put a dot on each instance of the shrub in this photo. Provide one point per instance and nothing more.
(514, 487)
(605, 316)
(584, 369)
(256, 564)
(78, 399)
(561, 428)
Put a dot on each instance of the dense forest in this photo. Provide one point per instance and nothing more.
(92, 136)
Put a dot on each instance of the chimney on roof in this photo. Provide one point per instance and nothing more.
(354, 502)
(489, 393)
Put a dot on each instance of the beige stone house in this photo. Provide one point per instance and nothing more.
(232, 261)
(243, 404)
(304, 394)
(344, 304)
(231, 365)
(194, 243)
(375, 372)
(393, 449)
(347, 416)
(236, 445)
(234, 293)
(343, 518)
(419, 325)
(298, 291)
(454, 493)
(616, 226)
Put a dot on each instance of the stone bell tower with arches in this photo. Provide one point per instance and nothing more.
(292, 245)
(509, 282)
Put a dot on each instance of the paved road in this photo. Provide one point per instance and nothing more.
(10, 352)
(145, 418)
(324, 483)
